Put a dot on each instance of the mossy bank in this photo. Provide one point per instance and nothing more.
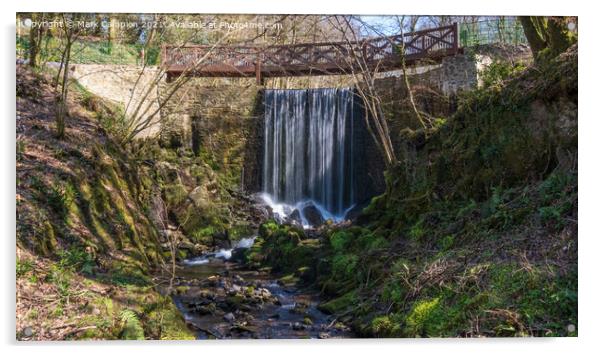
(476, 234)
(88, 249)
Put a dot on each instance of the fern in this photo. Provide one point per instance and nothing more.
(132, 328)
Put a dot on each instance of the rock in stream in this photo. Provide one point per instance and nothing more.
(221, 299)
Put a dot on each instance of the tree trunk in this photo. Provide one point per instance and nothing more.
(61, 102)
(113, 30)
(536, 42)
(34, 44)
(98, 28)
(61, 114)
(558, 35)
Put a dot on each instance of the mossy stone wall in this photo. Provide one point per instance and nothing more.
(222, 120)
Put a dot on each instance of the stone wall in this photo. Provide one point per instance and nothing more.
(429, 98)
(221, 120)
(463, 72)
(226, 117)
(460, 73)
(434, 88)
(453, 75)
(126, 85)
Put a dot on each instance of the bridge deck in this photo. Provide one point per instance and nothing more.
(325, 58)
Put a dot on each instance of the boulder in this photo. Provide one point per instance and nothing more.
(261, 213)
(234, 289)
(265, 293)
(356, 211)
(257, 198)
(298, 326)
(238, 255)
(222, 240)
(27, 331)
(313, 216)
(294, 218)
(229, 317)
(208, 309)
(184, 244)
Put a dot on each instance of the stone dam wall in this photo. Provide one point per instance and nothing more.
(222, 118)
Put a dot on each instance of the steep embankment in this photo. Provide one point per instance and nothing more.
(86, 245)
(476, 234)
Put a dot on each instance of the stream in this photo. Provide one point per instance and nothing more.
(222, 299)
(309, 164)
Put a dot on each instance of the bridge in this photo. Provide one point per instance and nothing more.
(307, 59)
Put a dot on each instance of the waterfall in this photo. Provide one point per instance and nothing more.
(308, 149)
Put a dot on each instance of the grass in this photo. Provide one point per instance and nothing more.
(430, 293)
(77, 259)
(23, 267)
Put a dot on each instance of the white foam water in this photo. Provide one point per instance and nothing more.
(196, 261)
(224, 254)
(282, 210)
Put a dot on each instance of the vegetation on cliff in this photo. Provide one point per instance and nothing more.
(476, 234)
(86, 245)
(101, 225)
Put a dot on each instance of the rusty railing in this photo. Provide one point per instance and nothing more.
(324, 58)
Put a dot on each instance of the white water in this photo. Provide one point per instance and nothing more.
(224, 254)
(308, 151)
(282, 210)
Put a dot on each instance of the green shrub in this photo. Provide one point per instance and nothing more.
(60, 277)
(77, 259)
(204, 235)
(394, 292)
(128, 275)
(23, 267)
(344, 266)
(551, 213)
(417, 230)
(446, 242)
(340, 240)
(60, 199)
(175, 194)
(497, 72)
(268, 228)
(555, 186)
(385, 326)
(418, 321)
(371, 241)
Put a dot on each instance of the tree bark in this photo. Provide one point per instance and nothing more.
(536, 42)
(61, 103)
(62, 109)
(558, 35)
(34, 42)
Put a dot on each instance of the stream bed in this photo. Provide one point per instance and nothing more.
(221, 299)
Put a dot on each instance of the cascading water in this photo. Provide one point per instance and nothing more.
(308, 150)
